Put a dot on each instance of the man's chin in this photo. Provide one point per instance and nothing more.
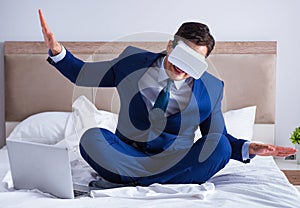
(178, 77)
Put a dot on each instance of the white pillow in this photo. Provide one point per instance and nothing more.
(46, 127)
(85, 116)
(52, 127)
(240, 122)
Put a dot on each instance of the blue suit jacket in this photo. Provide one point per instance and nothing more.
(134, 126)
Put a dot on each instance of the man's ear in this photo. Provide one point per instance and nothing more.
(169, 46)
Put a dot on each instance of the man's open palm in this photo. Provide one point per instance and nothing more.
(49, 38)
(270, 150)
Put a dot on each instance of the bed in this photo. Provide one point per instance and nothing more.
(40, 103)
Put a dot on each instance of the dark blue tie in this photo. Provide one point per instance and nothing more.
(157, 115)
(163, 97)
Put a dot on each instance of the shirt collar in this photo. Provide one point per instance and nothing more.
(162, 75)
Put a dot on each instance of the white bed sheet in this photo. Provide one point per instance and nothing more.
(259, 184)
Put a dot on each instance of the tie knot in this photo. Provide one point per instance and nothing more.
(167, 87)
(162, 99)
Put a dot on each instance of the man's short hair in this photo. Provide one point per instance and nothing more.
(196, 33)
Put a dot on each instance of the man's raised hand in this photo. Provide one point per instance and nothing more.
(49, 38)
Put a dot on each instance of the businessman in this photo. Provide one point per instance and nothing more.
(164, 98)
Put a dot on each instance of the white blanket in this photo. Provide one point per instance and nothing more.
(82, 174)
(154, 191)
(158, 191)
(259, 184)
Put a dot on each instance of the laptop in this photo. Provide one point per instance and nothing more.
(43, 167)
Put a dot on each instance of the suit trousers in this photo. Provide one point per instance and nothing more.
(119, 162)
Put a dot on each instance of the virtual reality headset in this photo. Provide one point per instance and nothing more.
(188, 60)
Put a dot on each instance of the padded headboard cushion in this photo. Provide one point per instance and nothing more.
(32, 85)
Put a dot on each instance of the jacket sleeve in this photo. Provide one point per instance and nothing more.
(215, 124)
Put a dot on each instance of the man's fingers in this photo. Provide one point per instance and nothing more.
(280, 147)
(282, 155)
(47, 34)
(285, 149)
(43, 22)
(42, 19)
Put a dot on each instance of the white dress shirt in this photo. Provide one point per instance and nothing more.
(155, 79)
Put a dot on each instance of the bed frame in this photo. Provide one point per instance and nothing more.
(32, 85)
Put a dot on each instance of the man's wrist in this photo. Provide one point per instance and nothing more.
(252, 149)
(58, 57)
(56, 50)
(246, 153)
(245, 150)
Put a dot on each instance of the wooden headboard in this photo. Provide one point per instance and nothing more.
(32, 85)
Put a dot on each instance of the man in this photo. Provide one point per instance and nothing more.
(164, 98)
